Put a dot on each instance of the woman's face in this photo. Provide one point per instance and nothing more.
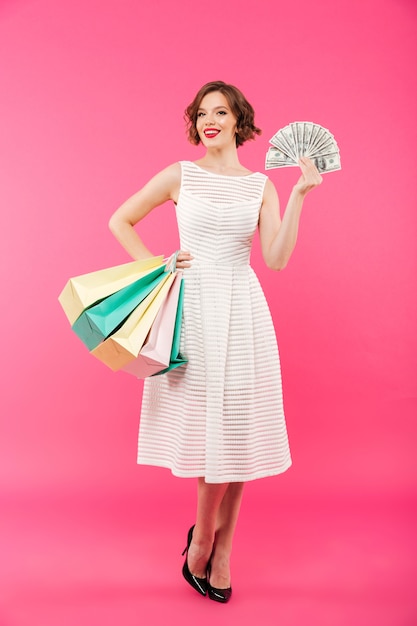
(216, 123)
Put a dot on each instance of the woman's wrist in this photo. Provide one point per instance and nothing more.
(296, 199)
(299, 191)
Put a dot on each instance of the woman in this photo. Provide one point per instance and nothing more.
(220, 417)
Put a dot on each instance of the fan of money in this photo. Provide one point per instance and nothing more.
(303, 139)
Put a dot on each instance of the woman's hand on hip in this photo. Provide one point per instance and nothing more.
(184, 259)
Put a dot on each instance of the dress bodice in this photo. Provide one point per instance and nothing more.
(218, 215)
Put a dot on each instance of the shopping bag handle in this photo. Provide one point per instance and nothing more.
(171, 262)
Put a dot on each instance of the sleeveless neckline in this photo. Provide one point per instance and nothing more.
(222, 175)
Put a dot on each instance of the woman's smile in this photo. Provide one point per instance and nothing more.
(211, 132)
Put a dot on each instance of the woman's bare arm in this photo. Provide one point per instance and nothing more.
(278, 237)
(162, 187)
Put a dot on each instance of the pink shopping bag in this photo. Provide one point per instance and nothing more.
(155, 354)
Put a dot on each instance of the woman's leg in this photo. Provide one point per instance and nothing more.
(217, 513)
(227, 517)
(209, 498)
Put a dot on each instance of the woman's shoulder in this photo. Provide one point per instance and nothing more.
(170, 175)
(174, 169)
(269, 192)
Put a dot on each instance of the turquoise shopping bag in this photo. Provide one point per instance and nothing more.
(99, 321)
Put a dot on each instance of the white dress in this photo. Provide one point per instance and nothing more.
(221, 415)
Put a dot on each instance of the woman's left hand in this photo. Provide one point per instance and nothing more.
(310, 177)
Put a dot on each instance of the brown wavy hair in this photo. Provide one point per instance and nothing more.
(241, 108)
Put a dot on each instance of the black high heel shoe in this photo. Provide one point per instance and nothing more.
(219, 595)
(199, 584)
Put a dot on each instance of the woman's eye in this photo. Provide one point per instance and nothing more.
(200, 114)
(222, 112)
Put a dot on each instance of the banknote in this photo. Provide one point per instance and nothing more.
(276, 158)
(279, 140)
(303, 139)
(280, 144)
(327, 163)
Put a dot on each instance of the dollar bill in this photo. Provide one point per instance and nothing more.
(324, 142)
(287, 139)
(327, 163)
(308, 128)
(280, 141)
(294, 132)
(325, 147)
(281, 145)
(316, 129)
(276, 158)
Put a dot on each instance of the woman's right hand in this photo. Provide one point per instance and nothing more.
(184, 259)
(162, 187)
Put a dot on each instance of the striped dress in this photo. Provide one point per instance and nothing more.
(221, 415)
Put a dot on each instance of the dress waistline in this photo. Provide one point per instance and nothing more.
(217, 264)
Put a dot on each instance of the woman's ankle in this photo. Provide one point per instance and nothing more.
(219, 570)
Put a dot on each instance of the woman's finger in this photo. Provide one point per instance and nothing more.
(184, 258)
(309, 170)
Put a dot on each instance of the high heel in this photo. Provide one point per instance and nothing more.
(199, 584)
(218, 595)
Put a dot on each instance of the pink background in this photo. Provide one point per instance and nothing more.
(92, 98)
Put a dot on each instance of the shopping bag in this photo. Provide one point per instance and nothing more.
(124, 345)
(155, 354)
(177, 358)
(83, 291)
(100, 320)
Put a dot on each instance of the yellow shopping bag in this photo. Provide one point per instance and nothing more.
(83, 291)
